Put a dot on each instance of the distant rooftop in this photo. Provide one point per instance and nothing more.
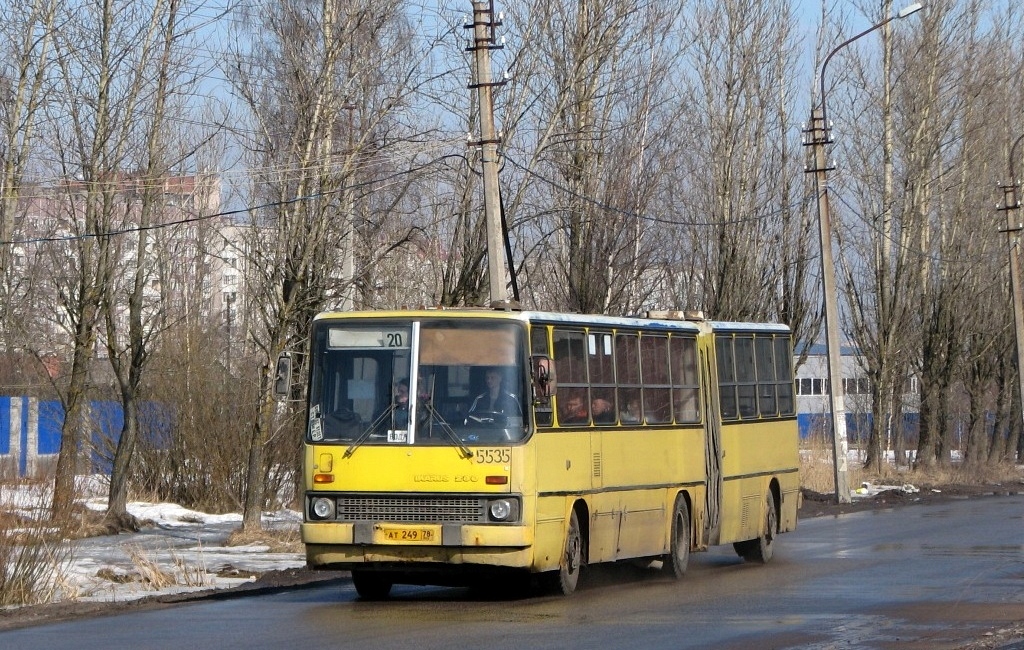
(819, 350)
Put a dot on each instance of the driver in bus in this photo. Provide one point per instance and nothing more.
(495, 399)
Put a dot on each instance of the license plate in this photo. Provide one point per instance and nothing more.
(405, 535)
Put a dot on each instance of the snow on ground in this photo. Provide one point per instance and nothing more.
(176, 550)
(187, 546)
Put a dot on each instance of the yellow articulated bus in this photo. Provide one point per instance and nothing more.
(443, 447)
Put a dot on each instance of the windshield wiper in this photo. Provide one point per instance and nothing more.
(432, 413)
(365, 435)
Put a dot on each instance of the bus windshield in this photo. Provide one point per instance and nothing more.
(468, 376)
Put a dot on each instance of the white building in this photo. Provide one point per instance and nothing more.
(812, 395)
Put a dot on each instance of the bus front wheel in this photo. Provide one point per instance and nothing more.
(761, 549)
(675, 562)
(565, 579)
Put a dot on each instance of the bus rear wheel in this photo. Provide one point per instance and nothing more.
(565, 579)
(371, 585)
(760, 550)
(674, 563)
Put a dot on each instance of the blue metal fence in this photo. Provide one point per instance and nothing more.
(106, 419)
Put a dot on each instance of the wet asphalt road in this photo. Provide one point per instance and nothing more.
(915, 577)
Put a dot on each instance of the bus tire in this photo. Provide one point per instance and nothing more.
(760, 550)
(674, 563)
(564, 580)
(371, 585)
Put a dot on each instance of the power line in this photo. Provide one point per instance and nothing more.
(227, 213)
(650, 218)
(285, 171)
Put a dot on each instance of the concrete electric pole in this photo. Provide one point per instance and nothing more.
(483, 42)
(819, 138)
(1011, 206)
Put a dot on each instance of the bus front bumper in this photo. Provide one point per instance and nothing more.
(341, 545)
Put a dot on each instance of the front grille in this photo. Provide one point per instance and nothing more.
(420, 508)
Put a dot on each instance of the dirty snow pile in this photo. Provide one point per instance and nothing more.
(176, 550)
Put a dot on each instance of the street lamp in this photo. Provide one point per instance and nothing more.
(819, 138)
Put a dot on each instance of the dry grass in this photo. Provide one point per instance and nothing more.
(33, 554)
(149, 570)
(192, 576)
(31, 566)
(817, 473)
(1005, 474)
(279, 540)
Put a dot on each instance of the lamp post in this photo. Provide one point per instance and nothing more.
(819, 138)
(1011, 205)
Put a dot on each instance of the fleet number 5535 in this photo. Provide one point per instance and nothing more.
(493, 456)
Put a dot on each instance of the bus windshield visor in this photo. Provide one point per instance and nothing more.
(469, 383)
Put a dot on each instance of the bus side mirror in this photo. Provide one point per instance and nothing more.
(283, 377)
(543, 379)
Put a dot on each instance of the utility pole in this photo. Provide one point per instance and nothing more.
(818, 139)
(483, 42)
(348, 262)
(1011, 206)
(229, 299)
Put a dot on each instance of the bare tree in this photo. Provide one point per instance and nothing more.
(27, 36)
(310, 64)
(880, 286)
(590, 105)
(100, 86)
(134, 314)
(940, 106)
(912, 251)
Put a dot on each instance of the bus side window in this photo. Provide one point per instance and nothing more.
(746, 379)
(654, 371)
(631, 410)
(570, 361)
(573, 409)
(685, 384)
(658, 406)
(686, 405)
(601, 371)
(726, 377)
(784, 375)
(542, 376)
(627, 373)
(767, 400)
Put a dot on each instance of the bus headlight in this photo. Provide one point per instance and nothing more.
(502, 509)
(322, 508)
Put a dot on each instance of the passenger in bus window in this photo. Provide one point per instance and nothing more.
(495, 400)
(631, 414)
(400, 407)
(574, 410)
(603, 411)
